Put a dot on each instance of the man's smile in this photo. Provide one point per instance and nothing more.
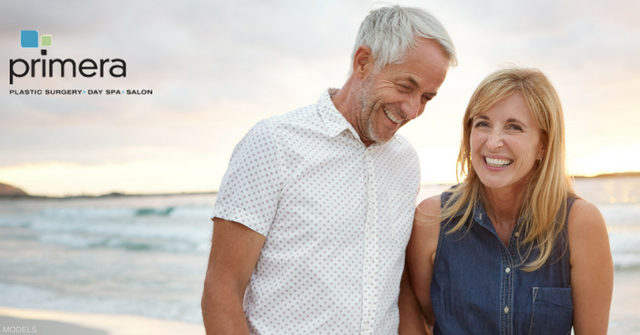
(391, 116)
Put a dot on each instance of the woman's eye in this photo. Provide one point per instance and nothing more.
(514, 127)
(481, 124)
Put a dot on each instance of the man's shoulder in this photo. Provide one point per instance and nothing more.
(301, 122)
(402, 141)
(401, 145)
(302, 116)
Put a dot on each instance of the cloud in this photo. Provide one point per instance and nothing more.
(217, 67)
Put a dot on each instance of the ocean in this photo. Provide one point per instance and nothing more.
(147, 255)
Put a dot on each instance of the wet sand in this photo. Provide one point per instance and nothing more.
(624, 317)
(30, 326)
(625, 308)
(47, 322)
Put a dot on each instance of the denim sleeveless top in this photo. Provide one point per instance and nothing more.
(478, 286)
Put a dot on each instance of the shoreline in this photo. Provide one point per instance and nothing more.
(103, 196)
(624, 318)
(53, 322)
(26, 196)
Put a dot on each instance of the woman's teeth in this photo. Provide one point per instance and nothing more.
(493, 162)
(391, 117)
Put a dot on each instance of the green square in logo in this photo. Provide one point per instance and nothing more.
(46, 41)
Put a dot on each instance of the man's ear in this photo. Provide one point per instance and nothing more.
(362, 62)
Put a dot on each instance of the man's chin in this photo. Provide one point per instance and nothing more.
(375, 137)
(382, 140)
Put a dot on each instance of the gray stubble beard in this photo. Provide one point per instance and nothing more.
(367, 108)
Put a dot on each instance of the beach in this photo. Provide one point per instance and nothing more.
(48, 322)
(625, 317)
(625, 308)
(136, 265)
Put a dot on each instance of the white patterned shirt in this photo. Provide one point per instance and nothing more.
(336, 215)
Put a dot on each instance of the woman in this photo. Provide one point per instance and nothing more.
(511, 249)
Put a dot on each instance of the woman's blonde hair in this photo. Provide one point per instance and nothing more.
(544, 209)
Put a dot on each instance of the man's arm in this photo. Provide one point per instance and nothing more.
(415, 289)
(412, 320)
(234, 253)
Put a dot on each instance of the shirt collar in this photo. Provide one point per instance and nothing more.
(333, 120)
(479, 215)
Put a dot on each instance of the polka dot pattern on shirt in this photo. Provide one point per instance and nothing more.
(336, 215)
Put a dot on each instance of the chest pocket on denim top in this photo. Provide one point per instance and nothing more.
(552, 311)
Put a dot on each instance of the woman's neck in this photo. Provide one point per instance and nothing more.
(503, 204)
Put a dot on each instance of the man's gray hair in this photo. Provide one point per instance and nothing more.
(391, 31)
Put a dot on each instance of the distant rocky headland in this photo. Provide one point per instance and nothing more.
(10, 191)
(613, 175)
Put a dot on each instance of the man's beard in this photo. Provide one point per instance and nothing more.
(368, 107)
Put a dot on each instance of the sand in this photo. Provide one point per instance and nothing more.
(625, 307)
(30, 326)
(32, 321)
(624, 318)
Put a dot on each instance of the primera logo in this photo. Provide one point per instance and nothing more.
(88, 68)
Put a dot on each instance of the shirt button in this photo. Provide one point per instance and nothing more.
(370, 234)
(506, 310)
(507, 270)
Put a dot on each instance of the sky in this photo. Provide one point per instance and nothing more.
(218, 67)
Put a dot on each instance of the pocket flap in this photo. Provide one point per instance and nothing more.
(554, 295)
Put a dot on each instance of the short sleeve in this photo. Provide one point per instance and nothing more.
(250, 189)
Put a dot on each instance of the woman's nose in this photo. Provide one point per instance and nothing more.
(495, 140)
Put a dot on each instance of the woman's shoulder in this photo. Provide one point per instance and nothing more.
(426, 230)
(590, 257)
(431, 205)
(427, 218)
(584, 214)
(586, 225)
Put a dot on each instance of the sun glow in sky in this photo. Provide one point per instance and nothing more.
(218, 67)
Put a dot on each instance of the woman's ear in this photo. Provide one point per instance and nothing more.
(542, 152)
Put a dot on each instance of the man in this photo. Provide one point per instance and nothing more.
(316, 208)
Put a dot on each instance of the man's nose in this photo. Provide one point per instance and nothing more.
(412, 107)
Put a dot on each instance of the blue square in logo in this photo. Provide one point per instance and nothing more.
(29, 38)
